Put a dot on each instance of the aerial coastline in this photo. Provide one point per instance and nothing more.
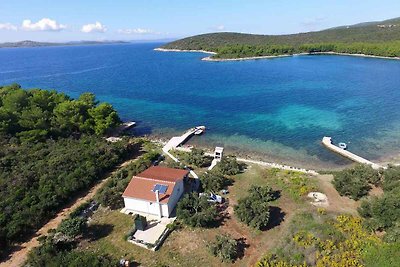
(115, 152)
(183, 50)
(213, 59)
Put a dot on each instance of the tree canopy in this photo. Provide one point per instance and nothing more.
(224, 247)
(356, 182)
(34, 115)
(37, 179)
(382, 212)
(214, 181)
(50, 149)
(254, 209)
(196, 211)
(228, 166)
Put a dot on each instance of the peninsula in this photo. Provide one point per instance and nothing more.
(380, 39)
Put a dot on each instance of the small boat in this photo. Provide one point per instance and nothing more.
(199, 130)
(342, 146)
(127, 125)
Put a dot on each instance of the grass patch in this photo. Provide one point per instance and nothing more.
(291, 183)
(179, 249)
(386, 255)
(294, 184)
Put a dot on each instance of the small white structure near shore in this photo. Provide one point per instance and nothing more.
(155, 191)
(218, 154)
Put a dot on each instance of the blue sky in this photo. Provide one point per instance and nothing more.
(62, 20)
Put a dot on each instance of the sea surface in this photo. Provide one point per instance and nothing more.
(275, 109)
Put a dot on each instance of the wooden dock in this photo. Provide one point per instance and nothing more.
(327, 141)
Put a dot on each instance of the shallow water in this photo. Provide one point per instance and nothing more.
(277, 108)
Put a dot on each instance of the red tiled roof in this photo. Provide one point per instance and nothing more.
(142, 188)
(142, 185)
(163, 173)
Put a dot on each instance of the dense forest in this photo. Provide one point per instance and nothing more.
(375, 38)
(51, 147)
(36, 115)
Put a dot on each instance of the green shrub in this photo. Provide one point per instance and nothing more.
(382, 212)
(214, 181)
(229, 166)
(196, 158)
(196, 211)
(72, 227)
(355, 182)
(254, 209)
(224, 247)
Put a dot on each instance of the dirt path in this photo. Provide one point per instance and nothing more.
(18, 256)
(259, 244)
(337, 203)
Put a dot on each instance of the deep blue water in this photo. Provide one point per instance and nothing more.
(279, 108)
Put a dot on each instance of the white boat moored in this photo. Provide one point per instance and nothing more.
(343, 146)
(199, 130)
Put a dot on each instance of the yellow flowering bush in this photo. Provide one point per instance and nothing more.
(321, 211)
(304, 239)
(297, 184)
(342, 252)
(271, 261)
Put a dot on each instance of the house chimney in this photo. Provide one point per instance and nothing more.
(158, 203)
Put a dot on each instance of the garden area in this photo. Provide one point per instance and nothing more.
(256, 213)
(266, 219)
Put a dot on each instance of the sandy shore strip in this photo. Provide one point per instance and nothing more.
(210, 58)
(243, 58)
(300, 54)
(181, 50)
(351, 55)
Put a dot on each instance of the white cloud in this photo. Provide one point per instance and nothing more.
(137, 31)
(44, 24)
(94, 27)
(220, 27)
(8, 27)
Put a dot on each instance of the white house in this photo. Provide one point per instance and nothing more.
(155, 191)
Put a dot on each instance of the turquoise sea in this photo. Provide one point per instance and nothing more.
(278, 109)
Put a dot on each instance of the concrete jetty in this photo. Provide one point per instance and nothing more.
(176, 141)
(327, 141)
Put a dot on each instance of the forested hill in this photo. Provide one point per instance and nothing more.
(51, 148)
(373, 38)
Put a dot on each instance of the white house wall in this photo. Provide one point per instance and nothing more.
(144, 206)
(175, 196)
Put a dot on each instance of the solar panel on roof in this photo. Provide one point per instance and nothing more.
(156, 188)
(162, 189)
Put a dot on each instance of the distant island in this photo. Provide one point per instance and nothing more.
(28, 43)
(381, 39)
